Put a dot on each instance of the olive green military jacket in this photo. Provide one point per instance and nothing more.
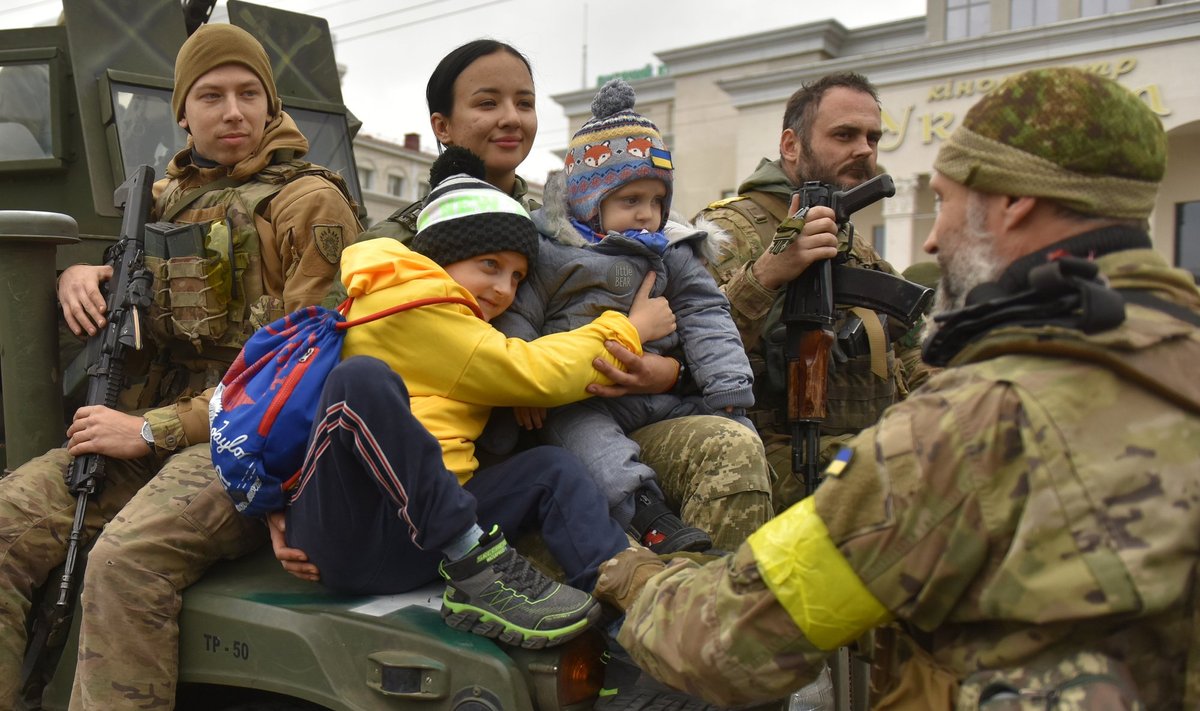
(1031, 515)
(860, 385)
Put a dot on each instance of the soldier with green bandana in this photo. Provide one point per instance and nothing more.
(1028, 519)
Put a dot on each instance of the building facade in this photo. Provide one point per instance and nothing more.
(721, 105)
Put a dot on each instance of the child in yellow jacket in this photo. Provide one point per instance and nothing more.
(390, 492)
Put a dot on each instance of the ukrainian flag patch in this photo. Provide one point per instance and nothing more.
(840, 461)
(660, 158)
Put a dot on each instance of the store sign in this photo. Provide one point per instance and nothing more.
(930, 124)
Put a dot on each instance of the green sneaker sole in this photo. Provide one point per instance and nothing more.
(469, 618)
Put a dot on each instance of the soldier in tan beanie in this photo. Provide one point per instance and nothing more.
(1026, 519)
(274, 227)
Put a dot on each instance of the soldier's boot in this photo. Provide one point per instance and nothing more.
(626, 688)
(655, 526)
(495, 592)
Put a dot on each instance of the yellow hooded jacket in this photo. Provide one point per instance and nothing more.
(455, 365)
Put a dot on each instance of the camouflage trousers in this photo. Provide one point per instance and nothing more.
(713, 471)
(162, 541)
(36, 513)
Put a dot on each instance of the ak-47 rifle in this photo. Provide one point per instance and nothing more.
(808, 313)
(127, 296)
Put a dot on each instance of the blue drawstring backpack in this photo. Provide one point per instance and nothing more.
(261, 413)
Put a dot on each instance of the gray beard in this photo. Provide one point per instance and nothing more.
(974, 263)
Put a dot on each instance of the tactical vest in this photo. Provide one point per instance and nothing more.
(215, 297)
(856, 395)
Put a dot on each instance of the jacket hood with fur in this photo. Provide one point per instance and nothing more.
(553, 220)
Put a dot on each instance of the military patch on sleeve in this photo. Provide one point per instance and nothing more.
(328, 239)
(840, 461)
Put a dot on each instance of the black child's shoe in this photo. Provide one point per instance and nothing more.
(660, 530)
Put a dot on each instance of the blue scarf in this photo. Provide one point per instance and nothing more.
(655, 241)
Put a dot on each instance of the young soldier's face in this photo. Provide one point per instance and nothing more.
(492, 278)
(226, 111)
(636, 205)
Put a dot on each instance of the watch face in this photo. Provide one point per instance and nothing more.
(147, 434)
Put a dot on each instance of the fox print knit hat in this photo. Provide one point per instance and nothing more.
(614, 147)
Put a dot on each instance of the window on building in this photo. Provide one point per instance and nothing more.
(396, 185)
(1033, 13)
(1092, 8)
(366, 178)
(968, 18)
(879, 238)
(1187, 236)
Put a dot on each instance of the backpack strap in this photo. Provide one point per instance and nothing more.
(345, 306)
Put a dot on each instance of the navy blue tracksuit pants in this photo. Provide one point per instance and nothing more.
(375, 504)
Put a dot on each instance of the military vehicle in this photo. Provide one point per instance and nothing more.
(81, 104)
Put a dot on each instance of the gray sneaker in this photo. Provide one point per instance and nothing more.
(496, 592)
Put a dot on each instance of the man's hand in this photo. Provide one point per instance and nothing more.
(651, 316)
(293, 559)
(623, 577)
(97, 429)
(82, 303)
(646, 374)
(531, 418)
(818, 240)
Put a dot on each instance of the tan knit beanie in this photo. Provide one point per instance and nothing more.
(213, 46)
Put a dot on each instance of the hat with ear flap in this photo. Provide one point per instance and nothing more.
(615, 147)
(1063, 134)
(465, 216)
(216, 45)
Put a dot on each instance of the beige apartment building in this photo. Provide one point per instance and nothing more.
(720, 104)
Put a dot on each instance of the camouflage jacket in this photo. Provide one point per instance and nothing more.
(283, 228)
(856, 395)
(1029, 517)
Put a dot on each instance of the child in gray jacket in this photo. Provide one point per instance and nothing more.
(604, 228)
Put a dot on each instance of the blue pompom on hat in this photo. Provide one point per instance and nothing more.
(614, 147)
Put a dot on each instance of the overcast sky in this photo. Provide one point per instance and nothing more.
(389, 47)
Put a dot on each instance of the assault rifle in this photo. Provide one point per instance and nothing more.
(808, 313)
(127, 294)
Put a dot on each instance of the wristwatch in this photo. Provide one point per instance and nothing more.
(148, 434)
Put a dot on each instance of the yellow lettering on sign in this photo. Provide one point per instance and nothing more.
(936, 125)
(1152, 95)
(894, 131)
(964, 88)
(1126, 65)
(939, 92)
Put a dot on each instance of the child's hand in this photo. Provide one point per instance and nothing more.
(531, 418)
(652, 317)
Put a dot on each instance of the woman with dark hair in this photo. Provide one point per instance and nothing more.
(480, 97)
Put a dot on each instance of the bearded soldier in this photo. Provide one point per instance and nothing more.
(1028, 517)
(831, 131)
